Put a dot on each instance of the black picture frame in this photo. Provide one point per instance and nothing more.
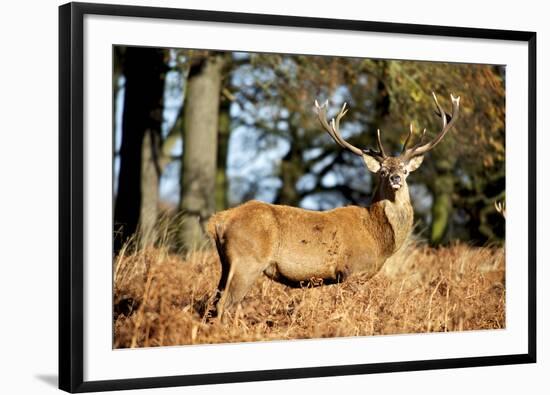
(71, 205)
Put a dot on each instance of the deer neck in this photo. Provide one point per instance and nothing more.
(396, 207)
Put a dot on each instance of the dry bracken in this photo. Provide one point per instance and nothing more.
(160, 299)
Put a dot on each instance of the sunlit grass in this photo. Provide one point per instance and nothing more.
(159, 298)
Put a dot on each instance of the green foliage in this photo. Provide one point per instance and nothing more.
(273, 95)
(465, 172)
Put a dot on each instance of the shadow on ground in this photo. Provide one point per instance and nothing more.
(50, 379)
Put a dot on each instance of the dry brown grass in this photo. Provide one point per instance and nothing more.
(159, 299)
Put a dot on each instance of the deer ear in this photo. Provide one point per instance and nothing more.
(414, 163)
(372, 163)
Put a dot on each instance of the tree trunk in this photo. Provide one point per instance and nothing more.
(223, 145)
(150, 177)
(442, 189)
(137, 194)
(292, 169)
(198, 180)
(118, 59)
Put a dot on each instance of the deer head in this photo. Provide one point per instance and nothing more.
(392, 171)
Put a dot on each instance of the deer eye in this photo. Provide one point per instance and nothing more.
(383, 172)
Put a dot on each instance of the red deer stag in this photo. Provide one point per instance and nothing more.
(292, 245)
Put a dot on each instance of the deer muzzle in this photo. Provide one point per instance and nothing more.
(395, 181)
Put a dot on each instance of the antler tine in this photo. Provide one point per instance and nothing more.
(321, 111)
(379, 142)
(501, 208)
(409, 135)
(335, 123)
(322, 115)
(420, 141)
(446, 125)
(440, 112)
(422, 136)
(333, 129)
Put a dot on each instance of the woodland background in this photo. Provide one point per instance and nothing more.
(199, 131)
(33, 369)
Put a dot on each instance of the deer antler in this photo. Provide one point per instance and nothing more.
(380, 154)
(447, 122)
(408, 139)
(501, 208)
(333, 130)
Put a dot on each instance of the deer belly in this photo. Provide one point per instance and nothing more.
(299, 264)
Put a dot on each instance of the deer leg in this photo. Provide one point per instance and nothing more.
(222, 295)
(240, 278)
(224, 276)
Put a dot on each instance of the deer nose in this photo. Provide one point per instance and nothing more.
(395, 179)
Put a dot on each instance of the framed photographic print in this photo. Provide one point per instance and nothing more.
(253, 197)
